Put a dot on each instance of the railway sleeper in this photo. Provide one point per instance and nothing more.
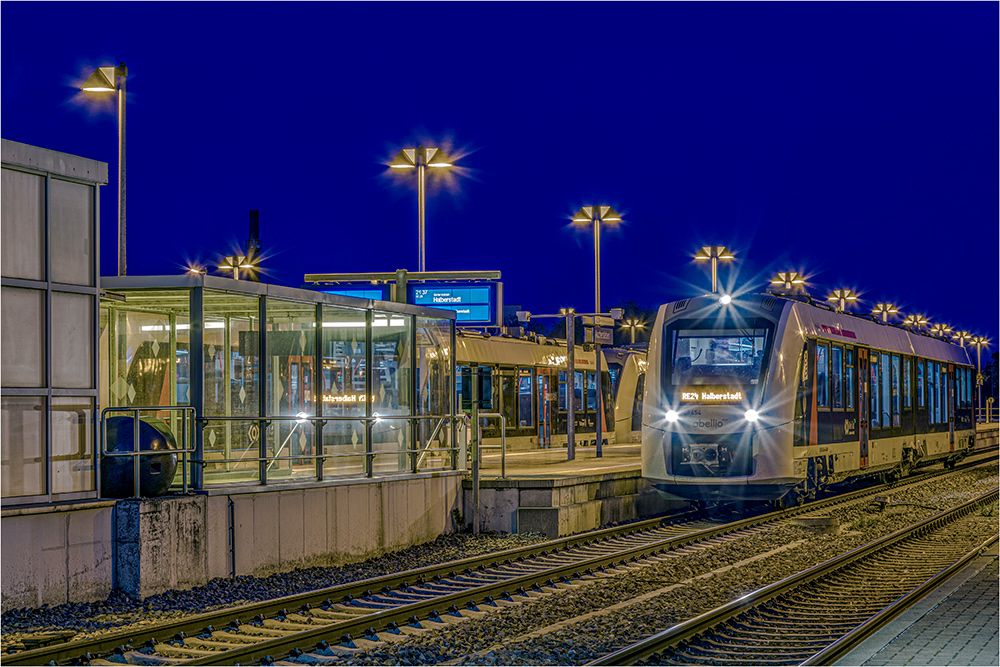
(754, 631)
(727, 641)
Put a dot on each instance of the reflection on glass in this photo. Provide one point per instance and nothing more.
(344, 378)
(391, 391)
(72, 444)
(22, 439)
(433, 355)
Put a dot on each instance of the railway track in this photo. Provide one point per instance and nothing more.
(819, 615)
(389, 606)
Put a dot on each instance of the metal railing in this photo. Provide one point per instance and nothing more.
(503, 438)
(416, 454)
(187, 424)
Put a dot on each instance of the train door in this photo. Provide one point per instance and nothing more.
(864, 407)
(543, 390)
(949, 383)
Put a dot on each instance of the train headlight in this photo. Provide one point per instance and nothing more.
(751, 415)
(671, 416)
(725, 299)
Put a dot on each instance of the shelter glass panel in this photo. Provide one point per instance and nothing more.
(72, 444)
(231, 373)
(22, 439)
(23, 345)
(72, 340)
(525, 397)
(71, 228)
(22, 239)
(344, 396)
(291, 354)
(391, 380)
(433, 355)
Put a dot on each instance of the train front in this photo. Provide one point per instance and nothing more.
(713, 427)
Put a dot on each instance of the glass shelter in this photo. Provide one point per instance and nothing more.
(286, 385)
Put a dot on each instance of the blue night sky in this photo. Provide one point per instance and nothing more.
(853, 142)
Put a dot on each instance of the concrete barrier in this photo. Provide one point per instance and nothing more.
(59, 554)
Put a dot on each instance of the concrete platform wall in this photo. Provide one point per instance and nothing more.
(55, 555)
(564, 506)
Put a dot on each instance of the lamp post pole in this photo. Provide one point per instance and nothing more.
(979, 342)
(597, 215)
(420, 158)
(714, 253)
(109, 80)
(570, 384)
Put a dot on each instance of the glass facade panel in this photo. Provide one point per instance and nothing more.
(391, 367)
(72, 340)
(71, 229)
(291, 357)
(23, 345)
(231, 371)
(72, 444)
(22, 439)
(344, 380)
(822, 376)
(22, 240)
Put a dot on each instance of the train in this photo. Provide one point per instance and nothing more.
(529, 387)
(776, 397)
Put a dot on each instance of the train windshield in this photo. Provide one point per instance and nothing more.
(719, 355)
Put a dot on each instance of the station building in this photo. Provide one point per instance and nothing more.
(299, 428)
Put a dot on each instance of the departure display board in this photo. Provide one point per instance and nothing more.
(372, 292)
(472, 303)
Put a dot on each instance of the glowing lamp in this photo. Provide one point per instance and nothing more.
(671, 416)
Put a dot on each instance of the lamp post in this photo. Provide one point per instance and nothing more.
(419, 158)
(842, 296)
(632, 326)
(980, 342)
(961, 337)
(597, 215)
(790, 280)
(714, 253)
(940, 330)
(916, 321)
(108, 80)
(885, 310)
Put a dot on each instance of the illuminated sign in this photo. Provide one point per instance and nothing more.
(472, 303)
(837, 331)
(712, 395)
(345, 398)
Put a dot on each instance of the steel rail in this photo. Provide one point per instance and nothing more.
(851, 640)
(704, 622)
(192, 625)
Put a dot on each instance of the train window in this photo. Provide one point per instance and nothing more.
(525, 406)
(717, 353)
(849, 376)
(907, 384)
(591, 392)
(509, 385)
(875, 412)
(932, 408)
(822, 375)
(895, 390)
(562, 391)
(837, 376)
(637, 403)
(885, 391)
(920, 383)
(945, 398)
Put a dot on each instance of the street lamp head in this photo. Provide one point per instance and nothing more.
(437, 158)
(604, 214)
(103, 79)
(585, 214)
(406, 159)
(609, 214)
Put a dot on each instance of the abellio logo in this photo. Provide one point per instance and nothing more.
(709, 423)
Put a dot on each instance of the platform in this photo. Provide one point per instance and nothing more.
(542, 492)
(955, 625)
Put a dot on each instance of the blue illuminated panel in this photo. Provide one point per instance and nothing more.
(372, 293)
(471, 304)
